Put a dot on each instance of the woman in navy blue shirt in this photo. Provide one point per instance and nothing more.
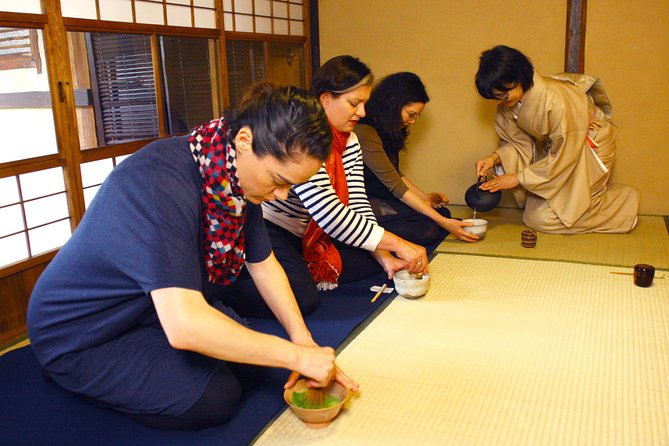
(123, 315)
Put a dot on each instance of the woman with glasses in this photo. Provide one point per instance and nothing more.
(325, 233)
(557, 147)
(396, 102)
(125, 314)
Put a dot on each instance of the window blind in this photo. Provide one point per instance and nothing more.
(126, 95)
(188, 82)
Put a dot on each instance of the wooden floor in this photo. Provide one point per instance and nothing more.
(21, 341)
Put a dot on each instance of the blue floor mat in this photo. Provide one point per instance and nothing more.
(37, 412)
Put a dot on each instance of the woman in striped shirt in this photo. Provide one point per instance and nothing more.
(325, 232)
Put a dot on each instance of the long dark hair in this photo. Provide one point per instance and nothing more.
(340, 75)
(384, 109)
(501, 67)
(285, 121)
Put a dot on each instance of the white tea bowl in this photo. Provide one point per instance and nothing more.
(409, 286)
(479, 226)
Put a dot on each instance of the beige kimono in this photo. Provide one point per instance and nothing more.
(562, 146)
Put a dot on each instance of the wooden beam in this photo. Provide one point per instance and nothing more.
(314, 39)
(574, 61)
(62, 102)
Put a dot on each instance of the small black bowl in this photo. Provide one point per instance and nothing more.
(482, 200)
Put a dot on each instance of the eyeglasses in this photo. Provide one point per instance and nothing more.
(412, 115)
(505, 96)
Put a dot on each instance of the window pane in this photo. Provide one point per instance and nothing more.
(244, 23)
(286, 64)
(81, 81)
(178, 15)
(149, 12)
(89, 194)
(24, 95)
(187, 67)
(246, 66)
(245, 6)
(296, 12)
(116, 10)
(263, 7)
(95, 172)
(49, 237)
(41, 183)
(227, 22)
(296, 28)
(13, 249)
(9, 191)
(11, 220)
(280, 9)
(205, 18)
(280, 26)
(124, 93)
(29, 6)
(263, 25)
(82, 9)
(118, 159)
(45, 210)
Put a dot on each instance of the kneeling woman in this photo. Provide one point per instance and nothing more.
(400, 206)
(325, 233)
(556, 149)
(120, 317)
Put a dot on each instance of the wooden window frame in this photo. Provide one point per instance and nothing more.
(64, 98)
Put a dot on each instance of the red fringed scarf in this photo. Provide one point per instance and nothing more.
(323, 259)
(223, 202)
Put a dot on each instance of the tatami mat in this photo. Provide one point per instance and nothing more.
(647, 243)
(507, 352)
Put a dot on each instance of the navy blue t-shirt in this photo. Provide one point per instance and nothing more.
(142, 232)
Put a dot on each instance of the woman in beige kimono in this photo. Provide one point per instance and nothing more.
(556, 148)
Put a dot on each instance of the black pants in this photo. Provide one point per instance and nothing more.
(395, 216)
(216, 405)
(244, 297)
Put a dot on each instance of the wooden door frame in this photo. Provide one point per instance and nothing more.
(574, 58)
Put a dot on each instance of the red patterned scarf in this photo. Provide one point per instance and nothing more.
(223, 202)
(323, 259)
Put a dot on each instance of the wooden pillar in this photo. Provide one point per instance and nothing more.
(574, 60)
(315, 44)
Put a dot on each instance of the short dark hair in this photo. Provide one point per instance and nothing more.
(285, 121)
(500, 67)
(384, 108)
(339, 74)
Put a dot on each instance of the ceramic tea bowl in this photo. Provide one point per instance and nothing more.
(317, 418)
(479, 226)
(410, 287)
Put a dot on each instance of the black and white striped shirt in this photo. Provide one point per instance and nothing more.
(354, 225)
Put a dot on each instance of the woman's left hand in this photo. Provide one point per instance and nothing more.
(455, 227)
(339, 376)
(502, 182)
(343, 379)
(390, 263)
(437, 199)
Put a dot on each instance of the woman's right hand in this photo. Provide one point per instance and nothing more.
(456, 227)
(414, 255)
(484, 165)
(315, 363)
